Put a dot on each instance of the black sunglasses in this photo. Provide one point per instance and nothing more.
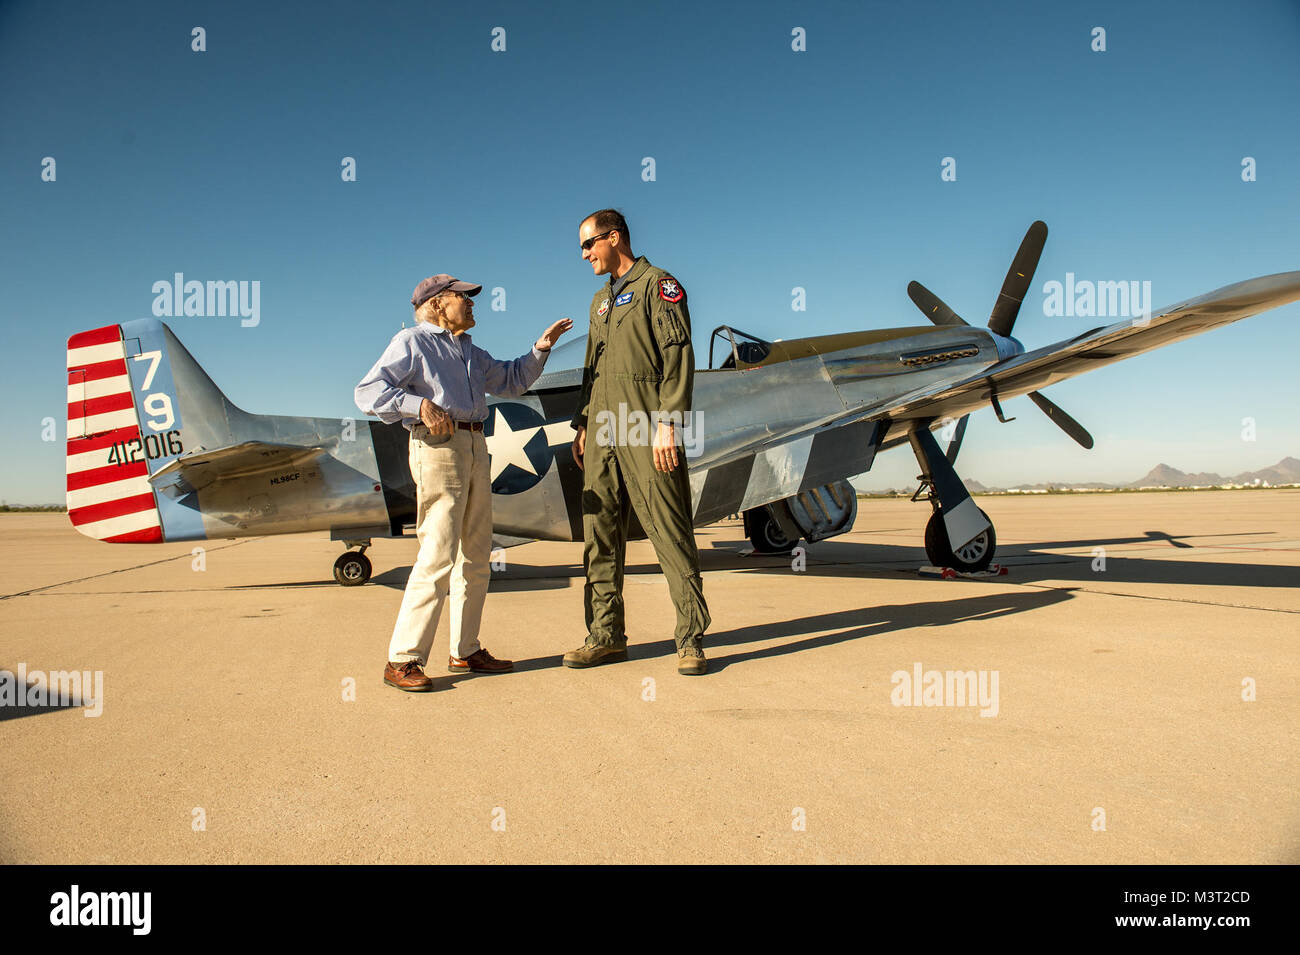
(588, 243)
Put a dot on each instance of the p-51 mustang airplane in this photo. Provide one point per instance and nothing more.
(157, 453)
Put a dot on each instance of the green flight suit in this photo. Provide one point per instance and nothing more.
(639, 359)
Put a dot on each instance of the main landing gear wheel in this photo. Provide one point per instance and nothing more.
(765, 534)
(352, 569)
(968, 559)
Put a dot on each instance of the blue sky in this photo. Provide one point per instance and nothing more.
(774, 169)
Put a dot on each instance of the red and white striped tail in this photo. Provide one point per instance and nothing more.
(107, 501)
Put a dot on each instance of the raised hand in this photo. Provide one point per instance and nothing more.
(552, 334)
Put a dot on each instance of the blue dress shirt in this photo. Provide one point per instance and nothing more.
(427, 361)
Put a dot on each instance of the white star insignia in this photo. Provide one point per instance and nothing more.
(506, 447)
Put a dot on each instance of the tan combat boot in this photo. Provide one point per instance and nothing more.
(690, 659)
(589, 655)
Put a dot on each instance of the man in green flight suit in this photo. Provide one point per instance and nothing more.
(636, 396)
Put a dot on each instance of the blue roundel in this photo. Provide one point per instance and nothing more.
(516, 441)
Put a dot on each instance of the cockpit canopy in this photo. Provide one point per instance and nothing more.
(735, 349)
(738, 349)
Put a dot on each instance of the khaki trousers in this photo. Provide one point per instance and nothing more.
(454, 526)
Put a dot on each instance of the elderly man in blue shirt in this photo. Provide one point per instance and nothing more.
(433, 379)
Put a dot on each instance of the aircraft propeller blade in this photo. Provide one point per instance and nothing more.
(1019, 277)
(1002, 320)
(931, 306)
(1062, 420)
(955, 444)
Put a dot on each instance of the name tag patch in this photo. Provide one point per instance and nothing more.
(623, 299)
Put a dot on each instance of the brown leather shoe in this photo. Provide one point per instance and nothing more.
(407, 676)
(480, 661)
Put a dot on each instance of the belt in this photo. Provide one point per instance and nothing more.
(462, 425)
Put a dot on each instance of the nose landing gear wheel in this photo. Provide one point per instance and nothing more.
(352, 569)
(969, 558)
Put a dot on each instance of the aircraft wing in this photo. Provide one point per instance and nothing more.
(844, 444)
(198, 469)
(1101, 346)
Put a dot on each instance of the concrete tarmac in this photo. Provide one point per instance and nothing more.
(1146, 709)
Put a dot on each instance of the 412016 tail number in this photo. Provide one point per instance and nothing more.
(151, 447)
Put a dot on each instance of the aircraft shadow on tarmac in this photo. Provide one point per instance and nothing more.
(1030, 563)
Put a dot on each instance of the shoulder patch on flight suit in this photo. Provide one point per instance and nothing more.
(670, 290)
(669, 328)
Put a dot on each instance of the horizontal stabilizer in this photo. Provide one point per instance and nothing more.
(197, 470)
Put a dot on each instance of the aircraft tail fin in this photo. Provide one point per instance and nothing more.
(124, 424)
(109, 495)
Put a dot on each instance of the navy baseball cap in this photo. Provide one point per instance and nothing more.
(440, 283)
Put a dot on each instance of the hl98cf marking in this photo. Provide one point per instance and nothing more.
(151, 447)
(932, 356)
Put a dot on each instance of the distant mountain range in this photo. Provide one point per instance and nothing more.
(1286, 471)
